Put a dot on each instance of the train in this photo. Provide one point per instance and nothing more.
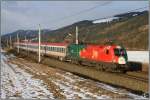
(112, 58)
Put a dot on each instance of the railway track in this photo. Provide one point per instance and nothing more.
(137, 76)
(134, 77)
(127, 81)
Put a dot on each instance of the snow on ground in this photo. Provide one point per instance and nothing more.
(71, 89)
(138, 56)
(70, 86)
(16, 83)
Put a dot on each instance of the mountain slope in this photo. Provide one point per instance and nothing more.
(130, 30)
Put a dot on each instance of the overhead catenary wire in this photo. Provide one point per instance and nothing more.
(92, 8)
(121, 13)
(80, 12)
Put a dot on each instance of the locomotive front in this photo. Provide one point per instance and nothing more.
(121, 58)
(120, 55)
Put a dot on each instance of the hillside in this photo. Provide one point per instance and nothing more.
(129, 30)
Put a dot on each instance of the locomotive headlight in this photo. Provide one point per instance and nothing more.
(121, 60)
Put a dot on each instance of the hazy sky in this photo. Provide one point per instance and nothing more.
(17, 15)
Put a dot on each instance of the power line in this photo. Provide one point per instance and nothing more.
(121, 13)
(81, 12)
(89, 9)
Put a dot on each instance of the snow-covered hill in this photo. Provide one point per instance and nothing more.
(105, 20)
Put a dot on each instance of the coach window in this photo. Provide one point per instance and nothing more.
(63, 50)
(60, 49)
(53, 48)
(57, 49)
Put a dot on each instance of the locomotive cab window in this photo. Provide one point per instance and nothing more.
(119, 52)
(107, 51)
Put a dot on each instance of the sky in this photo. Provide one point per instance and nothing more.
(27, 15)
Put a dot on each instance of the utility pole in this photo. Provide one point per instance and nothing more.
(7, 42)
(26, 42)
(77, 35)
(39, 51)
(18, 42)
(10, 41)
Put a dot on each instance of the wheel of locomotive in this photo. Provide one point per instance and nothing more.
(80, 62)
(103, 67)
(121, 68)
(74, 61)
(99, 66)
(115, 68)
(124, 68)
(124, 71)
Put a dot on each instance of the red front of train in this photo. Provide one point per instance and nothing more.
(112, 54)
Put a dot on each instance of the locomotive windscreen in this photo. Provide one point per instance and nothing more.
(120, 52)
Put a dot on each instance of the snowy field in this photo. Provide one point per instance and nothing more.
(16, 83)
(27, 80)
(138, 56)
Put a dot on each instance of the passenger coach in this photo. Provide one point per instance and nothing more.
(50, 49)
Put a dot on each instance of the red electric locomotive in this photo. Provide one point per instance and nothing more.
(111, 57)
(109, 54)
